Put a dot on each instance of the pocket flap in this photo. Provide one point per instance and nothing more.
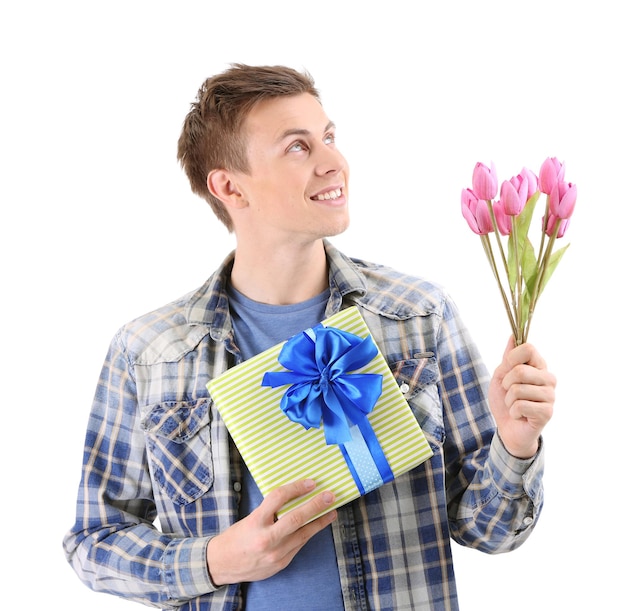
(177, 421)
(418, 373)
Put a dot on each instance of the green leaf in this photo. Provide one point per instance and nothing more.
(525, 258)
(528, 262)
(525, 217)
(555, 257)
(525, 306)
(511, 263)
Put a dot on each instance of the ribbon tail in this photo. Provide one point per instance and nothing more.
(282, 378)
(368, 466)
(334, 417)
(355, 472)
(380, 460)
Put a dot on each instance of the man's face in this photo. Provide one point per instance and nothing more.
(297, 183)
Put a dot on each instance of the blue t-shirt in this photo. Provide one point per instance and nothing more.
(311, 580)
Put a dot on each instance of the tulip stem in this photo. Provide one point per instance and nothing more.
(495, 230)
(489, 252)
(546, 214)
(514, 307)
(517, 293)
(541, 270)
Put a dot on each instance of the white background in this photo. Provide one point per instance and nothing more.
(99, 226)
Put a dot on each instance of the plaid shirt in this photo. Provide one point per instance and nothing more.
(157, 449)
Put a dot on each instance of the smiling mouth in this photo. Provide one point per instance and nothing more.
(334, 194)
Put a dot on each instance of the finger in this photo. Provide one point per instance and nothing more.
(525, 354)
(529, 394)
(538, 412)
(297, 526)
(297, 518)
(527, 375)
(509, 346)
(280, 496)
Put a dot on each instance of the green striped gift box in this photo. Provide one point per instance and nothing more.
(278, 451)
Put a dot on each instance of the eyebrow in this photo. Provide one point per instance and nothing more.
(302, 132)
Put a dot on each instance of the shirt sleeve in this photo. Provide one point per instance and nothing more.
(494, 498)
(114, 546)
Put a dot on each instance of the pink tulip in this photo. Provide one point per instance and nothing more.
(551, 172)
(549, 228)
(532, 179)
(484, 181)
(503, 220)
(563, 199)
(476, 212)
(514, 194)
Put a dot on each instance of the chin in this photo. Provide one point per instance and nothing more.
(337, 230)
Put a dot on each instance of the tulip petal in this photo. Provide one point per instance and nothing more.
(484, 181)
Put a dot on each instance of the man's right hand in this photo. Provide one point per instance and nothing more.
(259, 546)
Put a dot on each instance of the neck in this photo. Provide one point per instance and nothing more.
(291, 274)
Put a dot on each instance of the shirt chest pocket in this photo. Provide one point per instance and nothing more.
(179, 448)
(418, 379)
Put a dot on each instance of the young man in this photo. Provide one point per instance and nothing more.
(258, 146)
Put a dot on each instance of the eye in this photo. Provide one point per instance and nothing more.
(297, 147)
(329, 139)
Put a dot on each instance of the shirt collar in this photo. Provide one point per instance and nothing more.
(209, 304)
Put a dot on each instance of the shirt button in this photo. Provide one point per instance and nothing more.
(237, 486)
(404, 388)
(527, 521)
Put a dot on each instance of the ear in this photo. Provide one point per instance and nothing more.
(221, 185)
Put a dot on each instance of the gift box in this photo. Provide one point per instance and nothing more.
(325, 405)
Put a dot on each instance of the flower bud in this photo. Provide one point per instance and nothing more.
(514, 194)
(551, 224)
(476, 212)
(551, 172)
(503, 220)
(563, 199)
(533, 181)
(484, 181)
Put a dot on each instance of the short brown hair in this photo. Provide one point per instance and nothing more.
(212, 136)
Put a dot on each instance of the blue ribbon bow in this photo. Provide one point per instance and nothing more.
(322, 387)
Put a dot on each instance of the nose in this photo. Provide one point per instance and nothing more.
(330, 161)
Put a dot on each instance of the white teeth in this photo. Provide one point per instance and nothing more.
(330, 195)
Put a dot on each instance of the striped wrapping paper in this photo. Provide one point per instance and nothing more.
(278, 451)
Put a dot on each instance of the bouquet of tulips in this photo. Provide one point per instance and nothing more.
(503, 225)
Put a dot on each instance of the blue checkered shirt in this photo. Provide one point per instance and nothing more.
(157, 452)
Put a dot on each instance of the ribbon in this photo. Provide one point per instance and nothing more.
(323, 389)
